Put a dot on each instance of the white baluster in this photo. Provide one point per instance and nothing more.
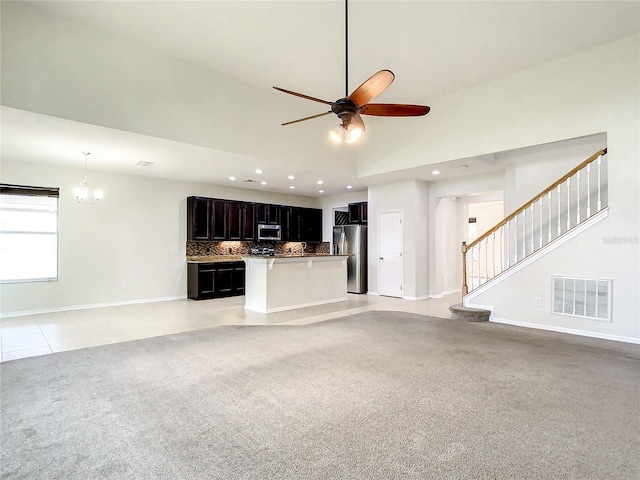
(470, 265)
(541, 210)
(493, 253)
(502, 249)
(524, 233)
(568, 203)
(486, 259)
(588, 190)
(578, 198)
(479, 259)
(508, 243)
(599, 181)
(549, 220)
(533, 228)
(559, 196)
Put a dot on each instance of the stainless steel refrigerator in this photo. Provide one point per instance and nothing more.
(352, 240)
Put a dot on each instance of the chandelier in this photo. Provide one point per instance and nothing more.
(82, 191)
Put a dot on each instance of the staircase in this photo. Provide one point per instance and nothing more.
(557, 211)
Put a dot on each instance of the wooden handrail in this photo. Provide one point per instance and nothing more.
(560, 181)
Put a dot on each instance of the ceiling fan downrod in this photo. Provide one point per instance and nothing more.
(346, 48)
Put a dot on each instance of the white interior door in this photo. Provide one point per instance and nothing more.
(390, 263)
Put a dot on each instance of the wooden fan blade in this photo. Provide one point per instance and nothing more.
(308, 118)
(372, 87)
(394, 110)
(303, 96)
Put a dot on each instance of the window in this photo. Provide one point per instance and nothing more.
(28, 233)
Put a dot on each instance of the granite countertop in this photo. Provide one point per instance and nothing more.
(214, 258)
(239, 258)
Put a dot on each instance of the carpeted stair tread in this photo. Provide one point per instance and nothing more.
(459, 312)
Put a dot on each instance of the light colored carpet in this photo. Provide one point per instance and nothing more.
(379, 395)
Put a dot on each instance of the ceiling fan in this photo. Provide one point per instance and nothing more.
(352, 106)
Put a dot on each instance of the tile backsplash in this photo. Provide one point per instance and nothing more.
(241, 248)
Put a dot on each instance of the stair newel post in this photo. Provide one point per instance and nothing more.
(465, 289)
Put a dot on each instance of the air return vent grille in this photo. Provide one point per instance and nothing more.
(582, 297)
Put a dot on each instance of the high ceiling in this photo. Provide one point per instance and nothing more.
(434, 48)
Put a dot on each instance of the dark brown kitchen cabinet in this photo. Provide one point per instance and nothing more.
(302, 224)
(219, 213)
(198, 218)
(215, 280)
(268, 214)
(206, 219)
(240, 221)
(249, 222)
(358, 212)
(311, 225)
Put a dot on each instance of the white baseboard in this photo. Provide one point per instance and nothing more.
(293, 307)
(572, 331)
(445, 293)
(86, 307)
(421, 297)
(372, 293)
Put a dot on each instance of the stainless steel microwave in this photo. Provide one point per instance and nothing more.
(269, 232)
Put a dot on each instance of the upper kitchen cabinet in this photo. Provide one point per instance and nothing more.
(219, 214)
(358, 212)
(206, 219)
(240, 221)
(198, 218)
(311, 225)
(302, 224)
(267, 214)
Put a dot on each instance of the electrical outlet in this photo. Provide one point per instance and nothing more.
(174, 250)
(125, 284)
(538, 300)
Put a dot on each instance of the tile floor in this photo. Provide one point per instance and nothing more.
(45, 333)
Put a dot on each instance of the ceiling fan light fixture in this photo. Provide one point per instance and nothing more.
(353, 133)
(337, 134)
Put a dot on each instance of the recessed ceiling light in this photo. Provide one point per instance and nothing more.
(263, 183)
(291, 177)
(259, 171)
(232, 178)
(292, 187)
(142, 163)
(319, 182)
(320, 191)
(349, 186)
(435, 172)
(463, 166)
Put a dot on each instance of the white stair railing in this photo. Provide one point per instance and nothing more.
(560, 207)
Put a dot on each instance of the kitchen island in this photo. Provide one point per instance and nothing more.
(284, 282)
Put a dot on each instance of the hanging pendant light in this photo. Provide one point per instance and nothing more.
(82, 191)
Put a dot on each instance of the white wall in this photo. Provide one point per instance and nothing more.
(593, 92)
(329, 204)
(575, 258)
(447, 260)
(531, 170)
(411, 197)
(129, 236)
(444, 276)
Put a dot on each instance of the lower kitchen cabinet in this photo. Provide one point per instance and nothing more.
(215, 280)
